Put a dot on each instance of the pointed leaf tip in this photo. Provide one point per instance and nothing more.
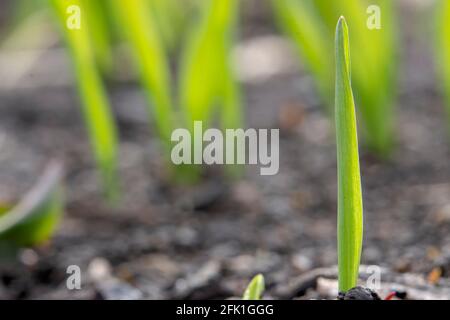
(342, 24)
(342, 27)
(342, 45)
(255, 289)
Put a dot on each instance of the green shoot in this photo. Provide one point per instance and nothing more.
(171, 19)
(310, 23)
(303, 25)
(96, 107)
(100, 34)
(350, 210)
(376, 56)
(207, 83)
(139, 24)
(206, 79)
(34, 219)
(255, 289)
(149, 54)
(443, 49)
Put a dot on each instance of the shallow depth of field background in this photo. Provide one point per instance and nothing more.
(165, 240)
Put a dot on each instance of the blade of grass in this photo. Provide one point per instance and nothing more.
(375, 56)
(99, 33)
(204, 60)
(96, 108)
(230, 95)
(327, 9)
(310, 23)
(255, 289)
(443, 50)
(34, 219)
(139, 27)
(171, 19)
(303, 25)
(350, 210)
(231, 113)
(207, 83)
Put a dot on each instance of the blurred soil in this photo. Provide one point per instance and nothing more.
(167, 242)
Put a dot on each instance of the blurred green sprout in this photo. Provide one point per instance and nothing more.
(207, 86)
(310, 23)
(96, 107)
(443, 50)
(33, 220)
(255, 289)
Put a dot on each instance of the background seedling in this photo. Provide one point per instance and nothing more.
(96, 108)
(207, 83)
(95, 13)
(300, 22)
(150, 58)
(443, 50)
(171, 19)
(350, 210)
(310, 23)
(206, 78)
(34, 219)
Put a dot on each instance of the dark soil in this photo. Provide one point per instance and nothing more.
(206, 242)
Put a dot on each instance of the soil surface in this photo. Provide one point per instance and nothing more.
(207, 241)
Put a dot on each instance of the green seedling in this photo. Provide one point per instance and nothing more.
(35, 218)
(96, 107)
(443, 49)
(101, 37)
(139, 24)
(150, 58)
(171, 19)
(310, 23)
(206, 79)
(255, 289)
(301, 23)
(350, 209)
(208, 86)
